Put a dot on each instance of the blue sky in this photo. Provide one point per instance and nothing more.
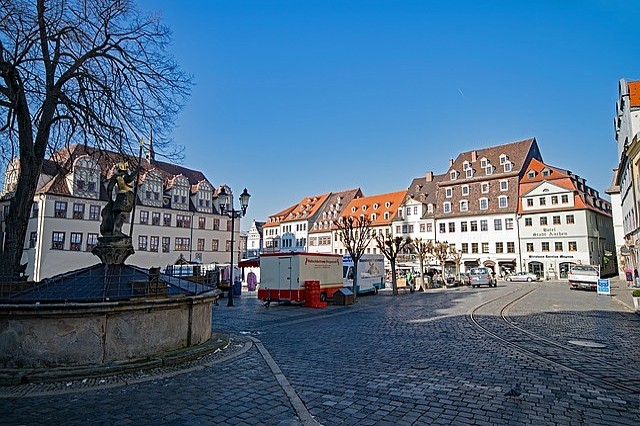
(302, 97)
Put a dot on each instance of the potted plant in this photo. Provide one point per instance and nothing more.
(636, 299)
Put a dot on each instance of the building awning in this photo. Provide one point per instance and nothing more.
(506, 260)
(249, 263)
(489, 263)
(465, 261)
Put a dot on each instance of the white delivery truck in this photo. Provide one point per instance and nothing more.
(370, 273)
(282, 275)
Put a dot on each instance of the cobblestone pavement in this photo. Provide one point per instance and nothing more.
(418, 358)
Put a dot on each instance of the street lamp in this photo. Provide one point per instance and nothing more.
(223, 200)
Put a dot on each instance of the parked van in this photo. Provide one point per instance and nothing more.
(370, 273)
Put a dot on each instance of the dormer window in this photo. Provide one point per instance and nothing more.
(430, 208)
(507, 167)
(466, 165)
(546, 172)
(484, 163)
(364, 208)
(531, 174)
(375, 206)
(386, 215)
(373, 217)
(488, 170)
(469, 173)
(353, 209)
(453, 175)
(503, 159)
(387, 204)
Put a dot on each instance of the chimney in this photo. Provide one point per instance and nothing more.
(429, 176)
(474, 156)
(450, 162)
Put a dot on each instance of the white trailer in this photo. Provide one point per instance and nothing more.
(282, 275)
(370, 273)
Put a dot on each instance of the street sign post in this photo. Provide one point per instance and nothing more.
(604, 286)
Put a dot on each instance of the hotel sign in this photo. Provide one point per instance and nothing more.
(550, 232)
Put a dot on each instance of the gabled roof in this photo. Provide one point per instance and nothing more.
(332, 208)
(424, 188)
(517, 153)
(307, 208)
(378, 204)
(614, 188)
(634, 93)
(275, 219)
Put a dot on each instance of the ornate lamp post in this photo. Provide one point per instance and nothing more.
(223, 200)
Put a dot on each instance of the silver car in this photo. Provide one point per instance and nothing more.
(482, 276)
(523, 276)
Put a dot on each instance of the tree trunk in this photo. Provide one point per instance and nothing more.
(422, 272)
(355, 278)
(394, 284)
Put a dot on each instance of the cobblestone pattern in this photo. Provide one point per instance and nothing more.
(412, 359)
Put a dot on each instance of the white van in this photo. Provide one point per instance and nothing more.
(370, 273)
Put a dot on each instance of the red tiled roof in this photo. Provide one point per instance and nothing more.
(634, 93)
(378, 204)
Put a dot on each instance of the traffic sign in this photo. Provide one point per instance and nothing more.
(604, 286)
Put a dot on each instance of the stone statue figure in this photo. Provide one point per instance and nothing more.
(115, 213)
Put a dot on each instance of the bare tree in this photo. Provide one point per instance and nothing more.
(355, 234)
(441, 253)
(456, 256)
(424, 250)
(391, 247)
(94, 72)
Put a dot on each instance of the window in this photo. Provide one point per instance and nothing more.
(528, 221)
(35, 209)
(503, 202)
(404, 229)
(545, 246)
(166, 243)
(465, 248)
(446, 207)
(33, 239)
(453, 175)
(166, 219)
(452, 227)
(182, 244)
(507, 167)
(469, 172)
(484, 225)
(565, 198)
(155, 218)
(144, 217)
(484, 203)
(228, 245)
(94, 212)
(408, 208)
(529, 202)
(463, 226)
(92, 241)
(504, 185)
(542, 201)
(474, 225)
(215, 245)
(529, 247)
(465, 189)
(483, 163)
(484, 187)
(78, 211)
(556, 220)
(543, 221)
(558, 245)
(386, 215)
(443, 228)
(511, 247)
(142, 242)
(60, 209)
(229, 223)
(448, 192)
(429, 227)
(422, 227)
(200, 246)
(573, 246)
(153, 244)
(57, 241)
(499, 247)
(76, 241)
(531, 174)
(554, 199)
(415, 210)
(497, 224)
(398, 229)
(202, 223)
(183, 221)
(488, 170)
(474, 247)
(570, 219)
(503, 159)
(485, 248)
(464, 205)
(508, 223)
